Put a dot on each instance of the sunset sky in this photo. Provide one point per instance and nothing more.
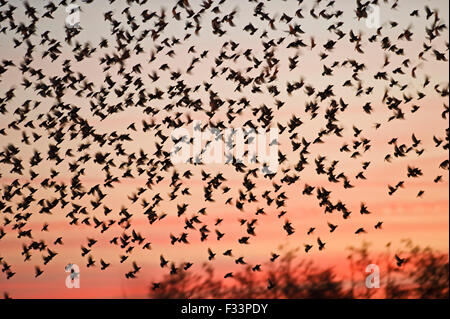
(424, 220)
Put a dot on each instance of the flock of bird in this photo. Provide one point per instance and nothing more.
(141, 86)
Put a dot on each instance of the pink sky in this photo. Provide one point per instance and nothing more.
(424, 220)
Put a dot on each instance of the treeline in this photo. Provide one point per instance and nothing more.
(424, 274)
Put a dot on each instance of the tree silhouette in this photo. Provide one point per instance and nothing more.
(424, 275)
